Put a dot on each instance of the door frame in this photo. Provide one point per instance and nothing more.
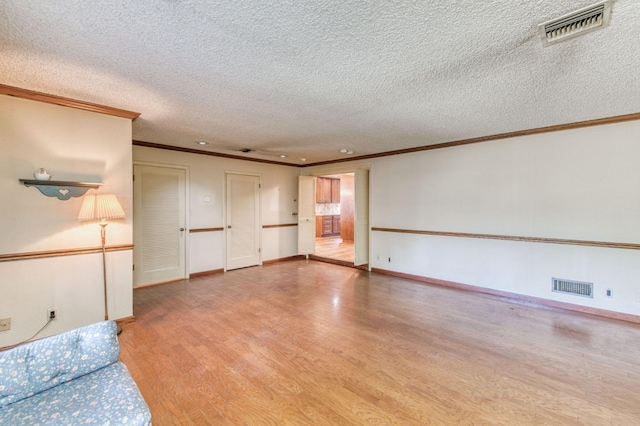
(225, 218)
(340, 169)
(186, 205)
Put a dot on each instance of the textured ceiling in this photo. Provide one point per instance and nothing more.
(306, 79)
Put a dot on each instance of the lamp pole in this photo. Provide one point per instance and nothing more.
(103, 232)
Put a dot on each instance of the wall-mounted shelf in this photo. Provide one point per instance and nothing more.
(61, 189)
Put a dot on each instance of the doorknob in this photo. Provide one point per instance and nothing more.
(228, 226)
(181, 229)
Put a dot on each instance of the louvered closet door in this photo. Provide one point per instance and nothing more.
(159, 232)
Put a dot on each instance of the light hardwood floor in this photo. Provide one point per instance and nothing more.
(304, 342)
(335, 248)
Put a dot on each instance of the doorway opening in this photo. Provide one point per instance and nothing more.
(335, 211)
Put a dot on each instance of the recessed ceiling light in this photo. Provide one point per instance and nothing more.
(303, 159)
(350, 152)
(202, 143)
(283, 156)
(343, 150)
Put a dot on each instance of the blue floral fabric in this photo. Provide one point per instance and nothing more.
(39, 365)
(72, 378)
(108, 396)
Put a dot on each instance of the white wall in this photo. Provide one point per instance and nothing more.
(207, 181)
(72, 145)
(578, 184)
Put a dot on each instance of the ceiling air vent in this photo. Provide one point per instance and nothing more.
(576, 23)
(578, 288)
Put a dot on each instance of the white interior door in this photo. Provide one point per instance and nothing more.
(361, 219)
(159, 211)
(306, 214)
(243, 220)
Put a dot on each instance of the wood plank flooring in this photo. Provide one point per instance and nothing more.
(335, 248)
(310, 343)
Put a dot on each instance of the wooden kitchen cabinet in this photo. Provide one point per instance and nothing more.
(335, 221)
(347, 205)
(327, 190)
(323, 190)
(335, 191)
(327, 226)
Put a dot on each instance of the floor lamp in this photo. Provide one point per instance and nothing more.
(102, 207)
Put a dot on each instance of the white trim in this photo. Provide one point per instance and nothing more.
(338, 168)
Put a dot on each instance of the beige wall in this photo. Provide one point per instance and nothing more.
(580, 184)
(574, 184)
(207, 182)
(72, 145)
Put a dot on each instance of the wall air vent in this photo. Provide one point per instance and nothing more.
(576, 23)
(578, 288)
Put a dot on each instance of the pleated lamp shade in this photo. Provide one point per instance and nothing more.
(100, 207)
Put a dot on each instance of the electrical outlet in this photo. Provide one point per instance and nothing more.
(389, 259)
(5, 324)
(51, 314)
(608, 292)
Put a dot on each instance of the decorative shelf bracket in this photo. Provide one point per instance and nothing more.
(60, 189)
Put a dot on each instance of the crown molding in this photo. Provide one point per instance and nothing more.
(67, 102)
(538, 130)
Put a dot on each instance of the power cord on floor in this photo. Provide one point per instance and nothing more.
(30, 338)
